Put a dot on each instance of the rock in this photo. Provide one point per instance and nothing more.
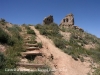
(48, 20)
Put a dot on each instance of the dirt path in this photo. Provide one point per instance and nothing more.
(64, 63)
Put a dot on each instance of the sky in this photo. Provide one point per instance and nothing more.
(86, 12)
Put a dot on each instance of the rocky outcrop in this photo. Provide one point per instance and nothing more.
(48, 20)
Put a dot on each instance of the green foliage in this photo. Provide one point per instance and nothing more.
(2, 21)
(40, 44)
(27, 27)
(14, 30)
(24, 73)
(63, 29)
(16, 45)
(18, 28)
(97, 71)
(51, 30)
(12, 53)
(60, 43)
(4, 37)
(2, 60)
(38, 26)
(30, 32)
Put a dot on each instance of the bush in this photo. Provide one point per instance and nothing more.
(23, 73)
(18, 28)
(2, 60)
(30, 32)
(60, 43)
(27, 27)
(40, 45)
(2, 20)
(97, 71)
(3, 36)
(11, 41)
(63, 29)
(15, 32)
(38, 26)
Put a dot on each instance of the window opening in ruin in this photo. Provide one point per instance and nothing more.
(67, 20)
(63, 20)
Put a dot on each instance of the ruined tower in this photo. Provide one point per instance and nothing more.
(68, 20)
(48, 20)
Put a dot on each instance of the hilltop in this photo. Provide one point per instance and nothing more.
(48, 46)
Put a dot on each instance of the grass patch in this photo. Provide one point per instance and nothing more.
(24, 73)
(30, 32)
(97, 71)
(39, 45)
(15, 43)
(2, 60)
(73, 49)
(5, 38)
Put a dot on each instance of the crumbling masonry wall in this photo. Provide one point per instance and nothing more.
(48, 20)
(68, 20)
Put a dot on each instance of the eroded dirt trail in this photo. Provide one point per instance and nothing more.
(65, 64)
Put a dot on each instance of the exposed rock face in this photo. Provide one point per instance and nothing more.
(48, 20)
(68, 21)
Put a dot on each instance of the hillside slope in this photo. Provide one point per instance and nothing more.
(65, 51)
(62, 60)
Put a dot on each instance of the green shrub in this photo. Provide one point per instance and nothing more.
(23, 73)
(40, 44)
(38, 26)
(43, 32)
(11, 41)
(2, 21)
(14, 30)
(3, 36)
(27, 27)
(2, 60)
(30, 32)
(60, 43)
(18, 28)
(63, 29)
(97, 71)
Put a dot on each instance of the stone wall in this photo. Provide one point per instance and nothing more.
(48, 20)
(68, 20)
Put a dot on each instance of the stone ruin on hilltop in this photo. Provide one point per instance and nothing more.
(68, 22)
(48, 20)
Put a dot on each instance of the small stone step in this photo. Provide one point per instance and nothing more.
(32, 48)
(30, 45)
(30, 65)
(28, 41)
(31, 53)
